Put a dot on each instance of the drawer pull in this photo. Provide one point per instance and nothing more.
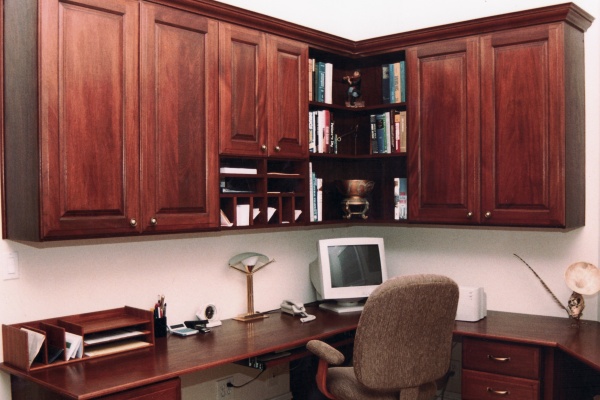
(499, 359)
(498, 392)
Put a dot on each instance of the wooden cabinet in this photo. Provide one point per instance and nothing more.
(167, 390)
(263, 94)
(504, 146)
(79, 176)
(492, 369)
(443, 85)
(119, 114)
(178, 120)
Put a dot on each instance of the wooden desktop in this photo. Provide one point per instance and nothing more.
(562, 349)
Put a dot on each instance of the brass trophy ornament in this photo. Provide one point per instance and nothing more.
(249, 264)
(355, 193)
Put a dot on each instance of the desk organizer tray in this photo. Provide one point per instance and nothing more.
(41, 344)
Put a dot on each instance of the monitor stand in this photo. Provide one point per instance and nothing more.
(340, 307)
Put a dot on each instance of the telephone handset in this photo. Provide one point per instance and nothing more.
(296, 308)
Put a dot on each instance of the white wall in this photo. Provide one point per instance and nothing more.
(81, 276)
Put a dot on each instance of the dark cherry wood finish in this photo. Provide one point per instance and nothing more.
(288, 94)
(443, 83)
(563, 348)
(179, 120)
(515, 156)
(111, 181)
(242, 91)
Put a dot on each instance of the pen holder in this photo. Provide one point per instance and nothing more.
(160, 327)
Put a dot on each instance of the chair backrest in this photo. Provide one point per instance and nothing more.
(404, 335)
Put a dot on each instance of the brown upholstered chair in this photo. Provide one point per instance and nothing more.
(402, 343)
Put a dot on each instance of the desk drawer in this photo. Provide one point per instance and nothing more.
(482, 385)
(502, 358)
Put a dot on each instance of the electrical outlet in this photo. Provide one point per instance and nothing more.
(225, 392)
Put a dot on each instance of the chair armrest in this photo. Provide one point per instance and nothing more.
(327, 355)
(325, 352)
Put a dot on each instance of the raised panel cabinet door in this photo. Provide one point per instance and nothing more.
(288, 98)
(523, 160)
(89, 117)
(179, 97)
(443, 151)
(242, 91)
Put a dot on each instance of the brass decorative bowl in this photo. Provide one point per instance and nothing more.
(355, 188)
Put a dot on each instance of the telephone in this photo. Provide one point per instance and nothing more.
(296, 308)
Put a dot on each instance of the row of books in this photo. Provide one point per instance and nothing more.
(320, 81)
(400, 199)
(315, 196)
(321, 133)
(388, 132)
(393, 80)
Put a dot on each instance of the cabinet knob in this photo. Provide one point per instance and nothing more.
(133, 222)
(487, 215)
(469, 215)
(277, 148)
(263, 147)
(153, 221)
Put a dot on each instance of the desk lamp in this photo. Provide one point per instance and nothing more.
(583, 279)
(249, 264)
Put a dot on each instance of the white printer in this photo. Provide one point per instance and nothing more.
(472, 304)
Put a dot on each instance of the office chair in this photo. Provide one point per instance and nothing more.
(402, 344)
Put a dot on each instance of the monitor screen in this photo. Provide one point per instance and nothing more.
(347, 270)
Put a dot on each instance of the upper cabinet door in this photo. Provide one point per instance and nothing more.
(288, 98)
(523, 127)
(443, 109)
(89, 117)
(179, 96)
(242, 91)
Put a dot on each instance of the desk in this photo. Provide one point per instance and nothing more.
(236, 341)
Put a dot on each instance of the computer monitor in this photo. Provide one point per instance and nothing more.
(347, 270)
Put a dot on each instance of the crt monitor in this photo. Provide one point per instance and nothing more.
(347, 270)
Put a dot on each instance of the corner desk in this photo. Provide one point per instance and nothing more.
(567, 357)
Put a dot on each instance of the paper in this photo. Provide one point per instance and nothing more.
(74, 346)
(111, 348)
(35, 340)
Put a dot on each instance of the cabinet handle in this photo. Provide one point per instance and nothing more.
(263, 147)
(133, 222)
(498, 392)
(153, 221)
(469, 215)
(498, 359)
(488, 215)
(277, 148)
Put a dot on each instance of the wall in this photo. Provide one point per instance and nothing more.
(191, 270)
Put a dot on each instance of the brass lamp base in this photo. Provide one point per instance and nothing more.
(251, 317)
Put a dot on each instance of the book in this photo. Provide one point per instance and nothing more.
(397, 82)
(402, 133)
(403, 199)
(319, 199)
(320, 75)
(388, 132)
(385, 83)
(380, 132)
(402, 81)
(391, 83)
(328, 97)
(311, 72)
(311, 189)
(373, 124)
